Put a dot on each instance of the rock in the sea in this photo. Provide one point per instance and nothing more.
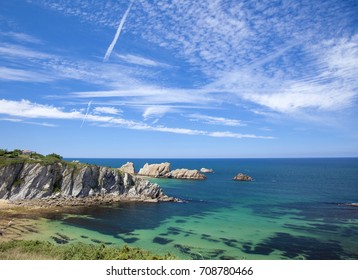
(155, 170)
(128, 168)
(185, 174)
(354, 204)
(206, 170)
(242, 177)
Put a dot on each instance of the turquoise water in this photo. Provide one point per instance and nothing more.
(294, 209)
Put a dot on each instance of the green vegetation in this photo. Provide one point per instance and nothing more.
(42, 250)
(18, 156)
(53, 155)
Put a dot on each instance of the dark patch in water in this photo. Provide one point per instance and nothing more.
(63, 236)
(127, 217)
(208, 237)
(108, 243)
(214, 254)
(330, 213)
(298, 246)
(96, 241)
(230, 242)
(59, 240)
(84, 236)
(188, 251)
(162, 241)
(129, 234)
(176, 231)
(130, 240)
(225, 258)
(180, 221)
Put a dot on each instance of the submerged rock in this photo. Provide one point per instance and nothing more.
(206, 170)
(242, 177)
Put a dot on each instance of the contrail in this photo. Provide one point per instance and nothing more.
(111, 46)
(88, 108)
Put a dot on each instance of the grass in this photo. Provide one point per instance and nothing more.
(42, 250)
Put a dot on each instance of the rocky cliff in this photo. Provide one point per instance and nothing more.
(20, 181)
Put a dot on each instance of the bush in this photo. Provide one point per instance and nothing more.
(53, 155)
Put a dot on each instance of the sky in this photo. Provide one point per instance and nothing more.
(180, 78)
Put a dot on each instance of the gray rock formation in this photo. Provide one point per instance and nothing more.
(206, 170)
(242, 177)
(185, 174)
(128, 168)
(35, 180)
(155, 170)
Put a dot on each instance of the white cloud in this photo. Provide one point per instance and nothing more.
(228, 134)
(21, 37)
(139, 60)
(18, 51)
(27, 109)
(147, 94)
(11, 74)
(155, 111)
(28, 122)
(107, 110)
(42, 124)
(216, 120)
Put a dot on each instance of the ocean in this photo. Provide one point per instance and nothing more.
(294, 209)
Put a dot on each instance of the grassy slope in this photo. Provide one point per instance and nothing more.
(41, 250)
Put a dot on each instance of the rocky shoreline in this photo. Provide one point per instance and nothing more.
(87, 201)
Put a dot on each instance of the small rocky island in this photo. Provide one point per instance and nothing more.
(206, 170)
(242, 177)
(162, 170)
(33, 176)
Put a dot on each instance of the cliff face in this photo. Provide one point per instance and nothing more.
(33, 180)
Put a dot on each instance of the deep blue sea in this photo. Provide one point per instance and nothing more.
(294, 209)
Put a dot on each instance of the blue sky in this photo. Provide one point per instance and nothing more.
(169, 78)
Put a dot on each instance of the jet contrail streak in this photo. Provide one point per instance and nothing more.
(111, 46)
(88, 108)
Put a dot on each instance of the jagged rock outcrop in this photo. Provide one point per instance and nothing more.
(206, 170)
(20, 181)
(162, 170)
(242, 177)
(128, 168)
(185, 174)
(155, 170)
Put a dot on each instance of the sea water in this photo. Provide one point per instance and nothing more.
(294, 209)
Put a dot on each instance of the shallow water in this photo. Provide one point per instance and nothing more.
(294, 209)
